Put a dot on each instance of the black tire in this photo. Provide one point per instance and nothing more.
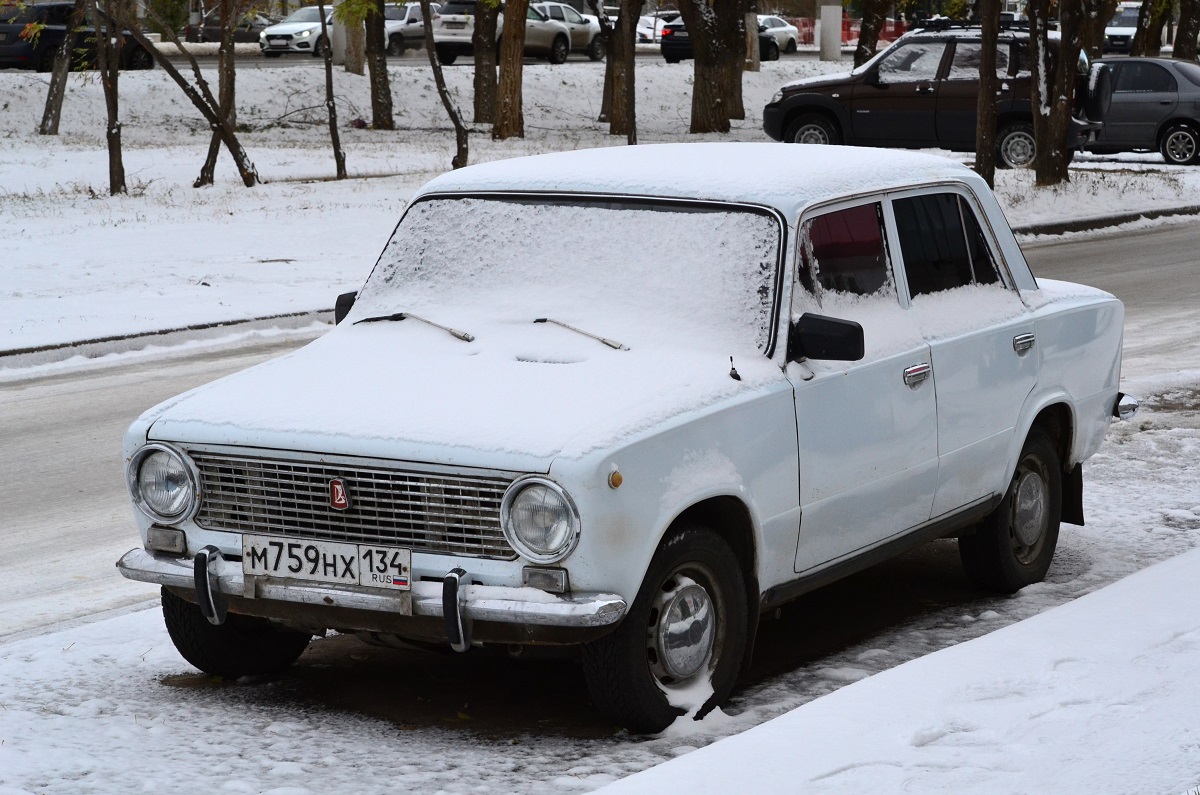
(395, 45)
(139, 59)
(1015, 145)
(242, 646)
(771, 52)
(1099, 94)
(812, 128)
(1180, 145)
(46, 62)
(445, 57)
(670, 60)
(628, 671)
(791, 47)
(1014, 545)
(596, 49)
(559, 50)
(319, 47)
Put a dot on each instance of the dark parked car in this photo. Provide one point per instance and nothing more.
(922, 92)
(677, 44)
(30, 36)
(1155, 104)
(249, 25)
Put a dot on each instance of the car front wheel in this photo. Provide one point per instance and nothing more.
(139, 59)
(242, 646)
(1180, 145)
(1015, 146)
(596, 49)
(685, 632)
(812, 128)
(1014, 545)
(771, 52)
(395, 45)
(319, 47)
(559, 50)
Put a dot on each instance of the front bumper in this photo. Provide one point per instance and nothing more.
(527, 607)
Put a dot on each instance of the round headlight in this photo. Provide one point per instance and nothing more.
(539, 520)
(163, 483)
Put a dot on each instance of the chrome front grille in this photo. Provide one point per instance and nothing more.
(424, 511)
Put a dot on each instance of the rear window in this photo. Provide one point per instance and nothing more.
(462, 7)
(1189, 70)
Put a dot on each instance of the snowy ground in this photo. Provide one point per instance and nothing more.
(1063, 699)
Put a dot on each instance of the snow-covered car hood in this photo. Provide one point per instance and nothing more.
(510, 399)
(823, 81)
(290, 28)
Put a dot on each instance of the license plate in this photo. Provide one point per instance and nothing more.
(681, 34)
(327, 561)
(456, 25)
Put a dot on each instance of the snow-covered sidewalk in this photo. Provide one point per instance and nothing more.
(1095, 696)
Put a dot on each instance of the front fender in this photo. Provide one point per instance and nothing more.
(777, 116)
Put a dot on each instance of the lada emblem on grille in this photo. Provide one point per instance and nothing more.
(339, 496)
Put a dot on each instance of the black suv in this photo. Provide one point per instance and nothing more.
(30, 36)
(921, 92)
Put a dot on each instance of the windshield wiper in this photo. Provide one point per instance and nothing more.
(610, 343)
(462, 335)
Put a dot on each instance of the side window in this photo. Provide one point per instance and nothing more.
(968, 55)
(844, 251)
(916, 61)
(532, 14)
(942, 244)
(1145, 77)
(573, 16)
(555, 12)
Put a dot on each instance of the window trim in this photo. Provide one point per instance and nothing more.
(832, 206)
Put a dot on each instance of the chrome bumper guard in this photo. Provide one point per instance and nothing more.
(474, 602)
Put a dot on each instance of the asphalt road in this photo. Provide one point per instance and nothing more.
(65, 519)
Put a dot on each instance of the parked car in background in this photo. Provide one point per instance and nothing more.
(299, 32)
(247, 30)
(786, 35)
(404, 26)
(676, 43)
(455, 25)
(649, 27)
(922, 92)
(30, 36)
(1118, 35)
(584, 28)
(1155, 105)
(633, 451)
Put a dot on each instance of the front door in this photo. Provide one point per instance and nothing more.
(958, 94)
(896, 104)
(867, 430)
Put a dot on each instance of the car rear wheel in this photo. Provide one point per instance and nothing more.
(812, 128)
(1015, 146)
(445, 57)
(396, 45)
(596, 49)
(1180, 145)
(686, 628)
(242, 646)
(559, 50)
(139, 59)
(791, 48)
(46, 62)
(1014, 545)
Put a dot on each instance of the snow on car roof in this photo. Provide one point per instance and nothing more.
(786, 177)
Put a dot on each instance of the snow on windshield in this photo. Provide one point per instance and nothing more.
(623, 266)
(309, 14)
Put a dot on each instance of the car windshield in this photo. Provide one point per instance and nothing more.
(650, 266)
(1124, 18)
(17, 14)
(309, 14)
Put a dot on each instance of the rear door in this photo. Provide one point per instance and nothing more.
(1144, 96)
(897, 104)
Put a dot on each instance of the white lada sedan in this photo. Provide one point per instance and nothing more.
(637, 452)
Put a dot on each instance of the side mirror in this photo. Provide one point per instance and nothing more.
(871, 78)
(762, 28)
(345, 302)
(821, 337)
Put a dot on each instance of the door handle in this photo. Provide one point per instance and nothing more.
(1023, 342)
(914, 376)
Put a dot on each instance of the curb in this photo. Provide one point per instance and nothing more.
(1102, 222)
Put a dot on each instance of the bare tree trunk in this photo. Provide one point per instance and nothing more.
(225, 90)
(58, 78)
(199, 94)
(461, 154)
(1097, 15)
(356, 44)
(483, 39)
(1052, 108)
(510, 121)
(985, 111)
(874, 14)
(735, 55)
(339, 156)
(108, 57)
(1147, 39)
(1188, 30)
(710, 90)
(621, 62)
(607, 34)
(381, 90)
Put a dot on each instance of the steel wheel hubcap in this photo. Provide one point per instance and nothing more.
(1018, 149)
(684, 634)
(1029, 508)
(811, 134)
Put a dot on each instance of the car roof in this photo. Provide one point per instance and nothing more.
(787, 177)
